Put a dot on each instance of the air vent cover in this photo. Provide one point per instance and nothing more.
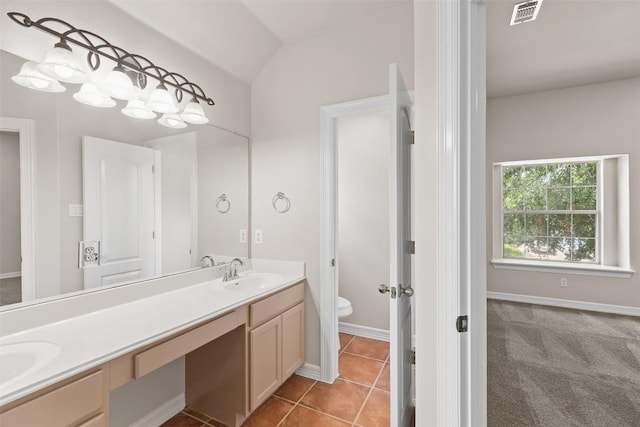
(524, 11)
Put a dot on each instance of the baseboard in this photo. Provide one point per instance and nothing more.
(163, 412)
(556, 302)
(10, 275)
(309, 371)
(364, 331)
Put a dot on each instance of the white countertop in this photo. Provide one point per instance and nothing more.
(90, 339)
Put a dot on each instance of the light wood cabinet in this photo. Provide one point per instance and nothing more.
(265, 345)
(79, 402)
(276, 347)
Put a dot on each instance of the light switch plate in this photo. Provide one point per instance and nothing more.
(88, 254)
(243, 235)
(258, 237)
(75, 210)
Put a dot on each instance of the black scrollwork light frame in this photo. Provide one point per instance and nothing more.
(98, 46)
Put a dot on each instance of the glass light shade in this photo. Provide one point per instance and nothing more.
(194, 113)
(61, 64)
(135, 108)
(90, 94)
(161, 101)
(119, 86)
(173, 121)
(30, 77)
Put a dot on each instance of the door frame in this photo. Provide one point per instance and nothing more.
(26, 135)
(328, 273)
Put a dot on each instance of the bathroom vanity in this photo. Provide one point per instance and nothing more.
(240, 338)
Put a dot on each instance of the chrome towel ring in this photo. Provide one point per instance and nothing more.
(223, 204)
(281, 203)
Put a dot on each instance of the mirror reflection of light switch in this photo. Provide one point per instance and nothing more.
(75, 210)
(243, 235)
(258, 237)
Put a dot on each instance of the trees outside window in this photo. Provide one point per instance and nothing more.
(551, 211)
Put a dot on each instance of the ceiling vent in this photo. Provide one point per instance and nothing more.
(525, 11)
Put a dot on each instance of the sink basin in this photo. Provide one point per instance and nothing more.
(21, 359)
(253, 281)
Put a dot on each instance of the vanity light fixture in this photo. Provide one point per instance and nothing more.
(118, 85)
(61, 64)
(90, 94)
(30, 77)
(172, 120)
(161, 100)
(126, 81)
(194, 113)
(135, 108)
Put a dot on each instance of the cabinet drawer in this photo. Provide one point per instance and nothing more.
(275, 304)
(97, 421)
(61, 407)
(155, 357)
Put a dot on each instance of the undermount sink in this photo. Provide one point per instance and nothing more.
(21, 359)
(253, 281)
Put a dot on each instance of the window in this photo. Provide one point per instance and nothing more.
(562, 213)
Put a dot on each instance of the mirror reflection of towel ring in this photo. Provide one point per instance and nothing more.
(281, 207)
(223, 204)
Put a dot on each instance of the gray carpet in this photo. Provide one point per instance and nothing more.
(551, 367)
(10, 291)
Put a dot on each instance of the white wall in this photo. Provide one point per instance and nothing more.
(363, 215)
(340, 64)
(579, 121)
(10, 202)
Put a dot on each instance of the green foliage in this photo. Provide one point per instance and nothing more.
(536, 203)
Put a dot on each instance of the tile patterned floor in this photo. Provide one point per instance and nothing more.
(359, 397)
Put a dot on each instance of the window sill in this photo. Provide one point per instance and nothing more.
(554, 267)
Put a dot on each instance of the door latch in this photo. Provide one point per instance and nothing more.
(462, 323)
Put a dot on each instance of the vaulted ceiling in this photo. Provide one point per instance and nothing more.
(571, 43)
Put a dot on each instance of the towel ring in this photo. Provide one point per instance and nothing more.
(223, 204)
(287, 203)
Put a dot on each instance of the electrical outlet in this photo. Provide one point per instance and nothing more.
(258, 237)
(75, 210)
(563, 283)
(88, 254)
(243, 235)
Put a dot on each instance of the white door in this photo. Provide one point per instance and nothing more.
(177, 188)
(400, 254)
(119, 212)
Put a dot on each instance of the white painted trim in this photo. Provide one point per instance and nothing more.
(11, 275)
(364, 331)
(328, 277)
(310, 371)
(559, 267)
(565, 303)
(27, 134)
(157, 193)
(163, 412)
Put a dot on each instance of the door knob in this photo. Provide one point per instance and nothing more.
(407, 291)
(383, 288)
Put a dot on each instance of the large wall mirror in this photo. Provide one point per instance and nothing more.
(113, 200)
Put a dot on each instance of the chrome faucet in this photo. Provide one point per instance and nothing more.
(207, 261)
(231, 272)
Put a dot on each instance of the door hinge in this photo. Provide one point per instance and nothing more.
(411, 137)
(462, 323)
(412, 357)
(411, 247)
(153, 234)
(333, 262)
(153, 169)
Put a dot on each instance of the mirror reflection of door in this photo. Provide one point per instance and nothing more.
(10, 224)
(119, 211)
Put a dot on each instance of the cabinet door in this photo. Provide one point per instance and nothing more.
(292, 340)
(265, 360)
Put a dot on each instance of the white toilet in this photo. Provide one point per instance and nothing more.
(344, 307)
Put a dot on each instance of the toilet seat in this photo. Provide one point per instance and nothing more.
(344, 307)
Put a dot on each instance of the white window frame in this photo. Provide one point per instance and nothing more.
(612, 234)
